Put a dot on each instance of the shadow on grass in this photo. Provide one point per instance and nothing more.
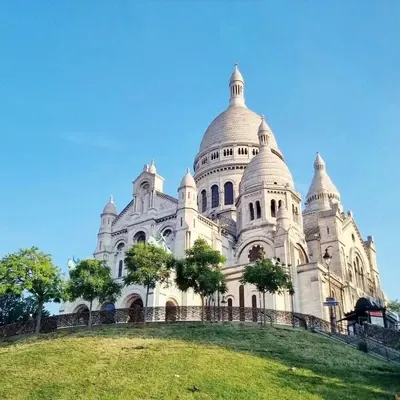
(315, 365)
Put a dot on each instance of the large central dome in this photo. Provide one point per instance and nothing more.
(237, 124)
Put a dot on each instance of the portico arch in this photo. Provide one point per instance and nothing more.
(134, 303)
(82, 314)
(171, 310)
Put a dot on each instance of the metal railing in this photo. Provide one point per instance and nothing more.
(368, 338)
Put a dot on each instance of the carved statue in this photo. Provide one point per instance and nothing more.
(71, 263)
(158, 240)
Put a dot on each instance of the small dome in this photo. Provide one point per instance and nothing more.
(188, 180)
(110, 207)
(266, 167)
(263, 127)
(236, 75)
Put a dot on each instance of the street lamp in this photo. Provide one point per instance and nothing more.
(328, 259)
(223, 302)
(218, 299)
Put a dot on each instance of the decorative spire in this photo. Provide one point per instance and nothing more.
(322, 191)
(236, 87)
(112, 199)
(319, 163)
(263, 133)
(152, 168)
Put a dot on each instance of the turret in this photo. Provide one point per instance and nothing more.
(186, 215)
(322, 192)
(104, 236)
(187, 192)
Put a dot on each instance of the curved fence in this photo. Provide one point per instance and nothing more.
(168, 315)
(380, 341)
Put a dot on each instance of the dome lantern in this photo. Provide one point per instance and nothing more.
(263, 133)
(236, 87)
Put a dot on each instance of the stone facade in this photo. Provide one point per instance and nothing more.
(242, 200)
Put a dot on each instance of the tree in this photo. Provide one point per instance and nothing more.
(394, 306)
(14, 308)
(146, 265)
(91, 280)
(201, 271)
(267, 276)
(33, 271)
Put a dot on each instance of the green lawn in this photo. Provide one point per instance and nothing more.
(163, 362)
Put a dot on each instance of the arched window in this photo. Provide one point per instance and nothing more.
(251, 207)
(350, 276)
(362, 278)
(139, 237)
(214, 196)
(203, 200)
(120, 268)
(228, 193)
(302, 255)
(109, 307)
(273, 208)
(120, 247)
(258, 209)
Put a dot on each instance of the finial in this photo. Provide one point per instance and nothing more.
(188, 170)
(235, 65)
(263, 117)
(111, 199)
(152, 161)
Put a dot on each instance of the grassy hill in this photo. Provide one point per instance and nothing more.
(163, 362)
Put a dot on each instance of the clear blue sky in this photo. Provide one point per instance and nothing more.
(91, 91)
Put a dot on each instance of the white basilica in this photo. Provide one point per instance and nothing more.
(242, 200)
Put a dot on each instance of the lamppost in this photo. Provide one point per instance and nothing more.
(223, 302)
(287, 269)
(327, 259)
(218, 300)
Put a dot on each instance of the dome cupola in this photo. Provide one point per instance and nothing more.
(188, 180)
(110, 207)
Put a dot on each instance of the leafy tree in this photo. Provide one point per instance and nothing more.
(91, 280)
(14, 308)
(394, 306)
(33, 271)
(201, 271)
(147, 265)
(267, 276)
